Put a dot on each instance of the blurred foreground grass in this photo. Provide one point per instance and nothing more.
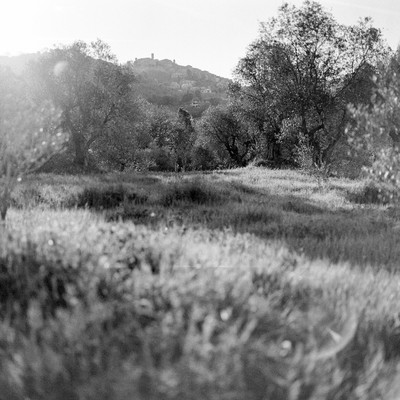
(242, 284)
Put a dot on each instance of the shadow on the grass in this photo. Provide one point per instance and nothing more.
(360, 236)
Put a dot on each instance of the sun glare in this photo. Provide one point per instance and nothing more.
(24, 26)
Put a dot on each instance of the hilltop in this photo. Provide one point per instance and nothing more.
(164, 82)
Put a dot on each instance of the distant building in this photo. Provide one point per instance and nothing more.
(152, 56)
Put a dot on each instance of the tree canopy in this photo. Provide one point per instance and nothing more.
(299, 75)
(91, 89)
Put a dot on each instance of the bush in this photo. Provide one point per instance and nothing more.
(162, 160)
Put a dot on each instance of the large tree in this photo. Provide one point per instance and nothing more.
(299, 75)
(126, 136)
(91, 89)
(182, 140)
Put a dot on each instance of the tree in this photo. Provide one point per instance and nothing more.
(90, 88)
(301, 73)
(162, 125)
(183, 139)
(222, 127)
(29, 134)
(126, 136)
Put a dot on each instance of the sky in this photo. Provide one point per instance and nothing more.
(207, 34)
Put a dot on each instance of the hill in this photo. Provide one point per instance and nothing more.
(161, 82)
(18, 63)
(166, 83)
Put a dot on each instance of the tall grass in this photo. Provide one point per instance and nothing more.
(244, 284)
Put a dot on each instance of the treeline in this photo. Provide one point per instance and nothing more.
(302, 96)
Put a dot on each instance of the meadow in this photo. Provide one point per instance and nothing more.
(236, 284)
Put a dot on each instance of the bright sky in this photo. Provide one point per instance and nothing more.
(207, 34)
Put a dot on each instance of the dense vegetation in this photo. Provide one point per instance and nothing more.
(165, 83)
(121, 278)
(287, 105)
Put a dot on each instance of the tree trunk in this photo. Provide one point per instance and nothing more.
(3, 210)
(395, 135)
(78, 142)
(79, 149)
(5, 201)
(274, 150)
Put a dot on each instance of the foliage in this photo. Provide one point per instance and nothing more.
(301, 73)
(183, 140)
(93, 92)
(222, 129)
(375, 133)
(204, 157)
(171, 139)
(123, 143)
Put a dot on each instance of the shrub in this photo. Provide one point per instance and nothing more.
(163, 160)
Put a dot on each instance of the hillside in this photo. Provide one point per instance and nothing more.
(18, 63)
(164, 82)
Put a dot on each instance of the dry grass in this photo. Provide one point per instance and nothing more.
(242, 284)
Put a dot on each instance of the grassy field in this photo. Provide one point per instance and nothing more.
(240, 284)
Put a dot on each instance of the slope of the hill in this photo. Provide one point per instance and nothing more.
(164, 82)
